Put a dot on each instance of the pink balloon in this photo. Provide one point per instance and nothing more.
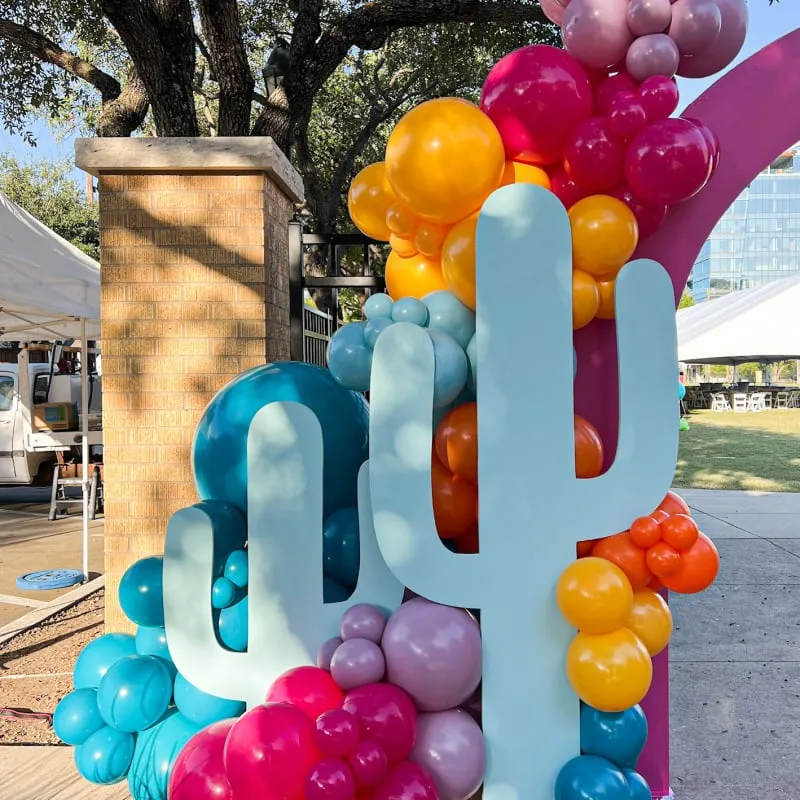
(199, 770)
(668, 162)
(717, 55)
(592, 159)
(336, 732)
(626, 118)
(596, 32)
(655, 54)
(659, 96)
(330, 779)
(369, 764)
(554, 9)
(712, 140)
(536, 96)
(649, 217)
(356, 662)
(649, 16)
(269, 753)
(406, 781)
(363, 621)
(311, 689)
(695, 25)
(565, 189)
(608, 90)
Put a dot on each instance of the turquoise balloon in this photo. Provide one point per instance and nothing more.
(233, 626)
(618, 736)
(155, 754)
(220, 453)
(472, 357)
(77, 716)
(681, 391)
(229, 529)
(340, 547)
(153, 642)
(409, 309)
(638, 786)
(452, 368)
(378, 306)
(591, 778)
(447, 313)
(201, 708)
(333, 592)
(236, 568)
(141, 592)
(135, 693)
(373, 329)
(223, 593)
(350, 357)
(105, 757)
(97, 657)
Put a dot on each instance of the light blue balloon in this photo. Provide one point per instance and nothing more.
(340, 547)
(141, 592)
(333, 592)
(134, 693)
(409, 309)
(618, 736)
(236, 568)
(586, 777)
(447, 313)
(155, 754)
(105, 757)
(638, 786)
(472, 356)
(452, 368)
(220, 451)
(97, 657)
(223, 593)
(574, 363)
(681, 391)
(372, 330)
(350, 357)
(77, 716)
(201, 708)
(233, 626)
(378, 306)
(152, 642)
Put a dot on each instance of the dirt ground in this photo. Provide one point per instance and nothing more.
(36, 669)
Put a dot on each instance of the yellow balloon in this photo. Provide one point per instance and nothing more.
(405, 248)
(517, 172)
(651, 620)
(458, 260)
(585, 299)
(401, 221)
(368, 200)
(606, 285)
(412, 277)
(594, 595)
(609, 671)
(444, 158)
(429, 238)
(604, 234)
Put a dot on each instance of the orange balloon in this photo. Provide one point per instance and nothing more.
(605, 286)
(604, 234)
(588, 449)
(429, 238)
(584, 549)
(453, 502)
(674, 504)
(659, 515)
(663, 560)
(368, 200)
(469, 543)
(412, 277)
(645, 532)
(621, 550)
(680, 531)
(699, 568)
(585, 299)
(401, 220)
(405, 248)
(458, 260)
(518, 172)
(457, 441)
(444, 158)
(655, 584)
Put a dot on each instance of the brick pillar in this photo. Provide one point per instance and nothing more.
(195, 290)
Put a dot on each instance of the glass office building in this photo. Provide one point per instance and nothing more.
(758, 238)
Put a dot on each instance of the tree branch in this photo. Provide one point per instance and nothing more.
(126, 113)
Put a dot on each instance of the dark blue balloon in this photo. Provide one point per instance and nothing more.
(236, 568)
(340, 547)
(105, 756)
(333, 592)
(591, 778)
(223, 593)
(220, 446)
(638, 786)
(202, 708)
(233, 626)
(619, 736)
(141, 592)
(77, 716)
(98, 656)
(229, 530)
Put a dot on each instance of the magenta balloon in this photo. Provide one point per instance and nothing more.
(655, 54)
(596, 32)
(626, 118)
(611, 87)
(649, 217)
(433, 652)
(649, 16)
(536, 96)
(717, 55)
(357, 662)
(592, 158)
(326, 651)
(554, 9)
(695, 25)
(406, 781)
(565, 189)
(199, 770)
(330, 779)
(369, 764)
(712, 140)
(363, 621)
(659, 96)
(668, 162)
(336, 732)
(450, 746)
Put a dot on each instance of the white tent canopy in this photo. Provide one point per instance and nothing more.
(753, 325)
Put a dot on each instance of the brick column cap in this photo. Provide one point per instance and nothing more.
(207, 155)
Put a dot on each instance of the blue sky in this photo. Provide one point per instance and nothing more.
(767, 23)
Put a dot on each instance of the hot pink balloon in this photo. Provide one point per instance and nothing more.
(610, 88)
(712, 140)
(717, 55)
(406, 781)
(565, 189)
(649, 217)
(336, 732)
(593, 159)
(649, 16)
(554, 9)
(659, 96)
(199, 770)
(695, 25)
(311, 689)
(596, 32)
(330, 779)
(655, 54)
(626, 118)
(369, 764)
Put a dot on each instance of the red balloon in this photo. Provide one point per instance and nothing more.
(659, 96)
(331, 779)
(610, 88)
(565, 189)
(649, 216)
(406, 781)
(668, 162)
(310, 689)
(592, 159)
(270, 752)
(626, 118)
(536, 96)
(199, 769)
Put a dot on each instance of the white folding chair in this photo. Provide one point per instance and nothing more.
(767, 400)
(719, 402)
(740, 403)
(782, 400)
(755, 402)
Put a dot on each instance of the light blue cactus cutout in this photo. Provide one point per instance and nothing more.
(288, 619)
(532, 507)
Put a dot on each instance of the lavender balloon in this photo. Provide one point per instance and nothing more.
(554, 9)
(357, 662)
(450, 746)
(649, 16)
(363, 622)
(651, 55)
(695, 25)
(433, 652)
(326, 651)
(717, 54)
(596, 32)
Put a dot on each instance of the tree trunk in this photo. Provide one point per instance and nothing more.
(121, 117)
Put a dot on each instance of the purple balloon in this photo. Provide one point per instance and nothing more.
(363, 622)
(357, 662)
(596, 32)
(651, 55)
(649, 16)
(695, 25)
(717, 55)
(433, 652)
(326, 651)
(554, 9)
(450, 746)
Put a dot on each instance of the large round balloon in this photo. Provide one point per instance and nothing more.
(587, 777)
(698, 569)
(651, 620)
(105, 757)
(444, 158)
(596, 32)
(199, 770)
(98, 656)
(368, 201)
(713, 56)
(592, 158)
(458, 261)
(203, 708)
(141, 592)
(340, 547)
(604, 234)
(220, 447)
(413, 277)
(77, 716)
(312, 690)
(349, 357)
(619, 736)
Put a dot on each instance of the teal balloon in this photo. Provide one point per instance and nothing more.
(77, 717)
(135, 693)
(350, 357)
(141, 592)
(220, 452)
(452, 368)
(201, 708)
(618, 736)
(340, 547)
(236, 568)
(153, 642)
(681, 391)
(106, 756)
(229, 529)
(638, 786)
(591, 778)
(411, 310)
(472, 357)
(233, 626)
(96, 658)
(334, 592)
(155, 754)
(378, 306)
(223, 593)
(373, 329)
(447, 313)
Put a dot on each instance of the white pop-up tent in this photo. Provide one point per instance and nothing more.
(752, 325)
(49, 291)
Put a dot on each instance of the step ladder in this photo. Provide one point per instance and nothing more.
(60, 502)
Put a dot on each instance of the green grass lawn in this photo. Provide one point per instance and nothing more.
(757, 452)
